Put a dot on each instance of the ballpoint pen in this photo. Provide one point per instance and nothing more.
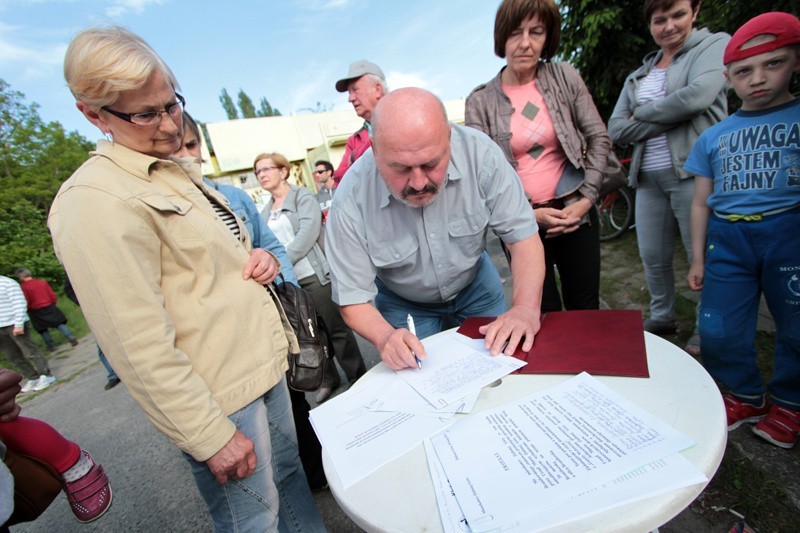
(413, 330)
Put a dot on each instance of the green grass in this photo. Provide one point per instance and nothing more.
(741, 487)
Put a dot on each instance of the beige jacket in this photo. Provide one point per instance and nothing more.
(159, 278)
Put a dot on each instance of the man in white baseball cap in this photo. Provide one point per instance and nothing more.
(365, 84)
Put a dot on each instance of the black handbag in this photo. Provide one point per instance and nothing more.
(307, 366)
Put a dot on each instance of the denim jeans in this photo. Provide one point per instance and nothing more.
(102, 356)
(744, 259)
(483, 297)
(277, 488)
(48, 340)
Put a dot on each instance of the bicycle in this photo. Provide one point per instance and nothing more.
(615, 211)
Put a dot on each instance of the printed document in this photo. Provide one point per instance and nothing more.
(359, 440)
(546, 448)
(398, 396)
(670, 473)
(455, 369)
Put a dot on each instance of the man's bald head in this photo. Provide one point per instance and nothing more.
(411, 143)
(410, 109)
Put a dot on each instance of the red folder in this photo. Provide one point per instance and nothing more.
(603, 342)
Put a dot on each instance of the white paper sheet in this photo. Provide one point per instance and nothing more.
(454, 369)
(670, 473)
(359, 440)
(548, 447)
(398, 396)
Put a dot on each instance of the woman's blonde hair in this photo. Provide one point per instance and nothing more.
(279, 160)
(103, 62)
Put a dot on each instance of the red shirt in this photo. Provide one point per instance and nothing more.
(356, 145)
(38, 293)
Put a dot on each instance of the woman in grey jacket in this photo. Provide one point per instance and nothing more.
(663, 108)
(543, 117)
(294, 216)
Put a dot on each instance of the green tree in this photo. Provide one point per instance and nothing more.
(35, 158)
(606, 41)
(266, 110)
(228, 105)
(246, 105)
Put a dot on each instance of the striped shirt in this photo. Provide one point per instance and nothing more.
(227, 217)
(13, 305)
(656, 150)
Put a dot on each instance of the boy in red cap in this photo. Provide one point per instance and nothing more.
(745, 215)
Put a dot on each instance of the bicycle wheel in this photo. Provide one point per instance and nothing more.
(615, 212)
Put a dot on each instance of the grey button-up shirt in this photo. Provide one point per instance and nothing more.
(429, 254)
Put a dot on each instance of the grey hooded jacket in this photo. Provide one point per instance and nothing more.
(695, 100)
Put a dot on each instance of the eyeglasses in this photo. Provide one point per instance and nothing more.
(264, 170)
(150, 118)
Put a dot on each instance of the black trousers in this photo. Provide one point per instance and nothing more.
(576, 257)
(307, 442)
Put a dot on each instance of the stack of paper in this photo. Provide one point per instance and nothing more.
(387, 414)
(542, 452)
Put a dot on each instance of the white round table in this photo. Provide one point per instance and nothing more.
(399, 497)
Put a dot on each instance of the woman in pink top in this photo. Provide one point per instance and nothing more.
(559, 155)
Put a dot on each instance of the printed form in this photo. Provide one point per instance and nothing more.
(670, 473)
(546, 448)
(455, 368)
(358, 439)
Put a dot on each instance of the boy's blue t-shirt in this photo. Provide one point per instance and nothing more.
(753, 158)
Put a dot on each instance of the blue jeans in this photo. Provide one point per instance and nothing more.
(742, 260)
(483, 297)
(102, 356)
(48, 340)
(277, 488)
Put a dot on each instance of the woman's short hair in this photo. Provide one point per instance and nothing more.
(191, 124)
(101, 63)
(279, 160)
(651, 6)
(510, 15)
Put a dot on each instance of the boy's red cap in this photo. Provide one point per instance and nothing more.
(784, 26)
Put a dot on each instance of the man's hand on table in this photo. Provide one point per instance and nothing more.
(512, 326)
(236, 460)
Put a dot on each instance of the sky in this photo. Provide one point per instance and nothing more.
(289, 51)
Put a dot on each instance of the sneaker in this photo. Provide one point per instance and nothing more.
(660, 328)
(740, 412)
(89, 496)
(781, 427)
(73, 341)
(111, 383)
(29, 385)
(43, 382)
